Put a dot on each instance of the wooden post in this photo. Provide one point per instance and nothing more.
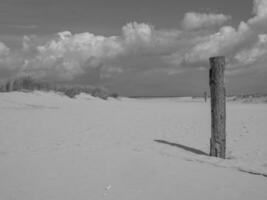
(218, 107)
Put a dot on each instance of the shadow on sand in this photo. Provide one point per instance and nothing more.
(186, 148)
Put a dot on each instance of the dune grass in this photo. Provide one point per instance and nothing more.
(28, 83)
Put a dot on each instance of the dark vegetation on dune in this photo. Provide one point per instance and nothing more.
(28, 83)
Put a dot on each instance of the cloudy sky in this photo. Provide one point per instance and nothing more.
(148, 47)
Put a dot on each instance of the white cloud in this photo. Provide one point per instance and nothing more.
(140, 47)
(194, 20)
(141, 38)
(237, 44)
(260, 13)
(4, 50)
(260, 8)
(249, 56)
(69, 55)
(219, 43)
(134, 32)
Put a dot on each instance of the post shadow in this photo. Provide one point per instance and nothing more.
(186, 148)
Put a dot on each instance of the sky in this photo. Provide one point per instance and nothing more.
(136, 48)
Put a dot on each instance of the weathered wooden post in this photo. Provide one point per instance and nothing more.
(218, 107)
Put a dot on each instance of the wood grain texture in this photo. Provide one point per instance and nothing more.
(218, 107)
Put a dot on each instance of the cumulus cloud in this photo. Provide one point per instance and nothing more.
(194, 20)
(240, 44)
(220, 43)
(135, 33)
(260, 8)
(140, 48)
(141, 38)
(252, 55)
(259, 20)
(69, 55)
(4, 50)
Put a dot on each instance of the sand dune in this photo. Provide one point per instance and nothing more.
(56, 148)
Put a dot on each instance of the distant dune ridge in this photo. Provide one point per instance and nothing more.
(28, 83)
(252, 98)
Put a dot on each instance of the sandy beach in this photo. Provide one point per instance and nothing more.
(89, 148)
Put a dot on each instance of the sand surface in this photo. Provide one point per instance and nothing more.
(56, 148)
